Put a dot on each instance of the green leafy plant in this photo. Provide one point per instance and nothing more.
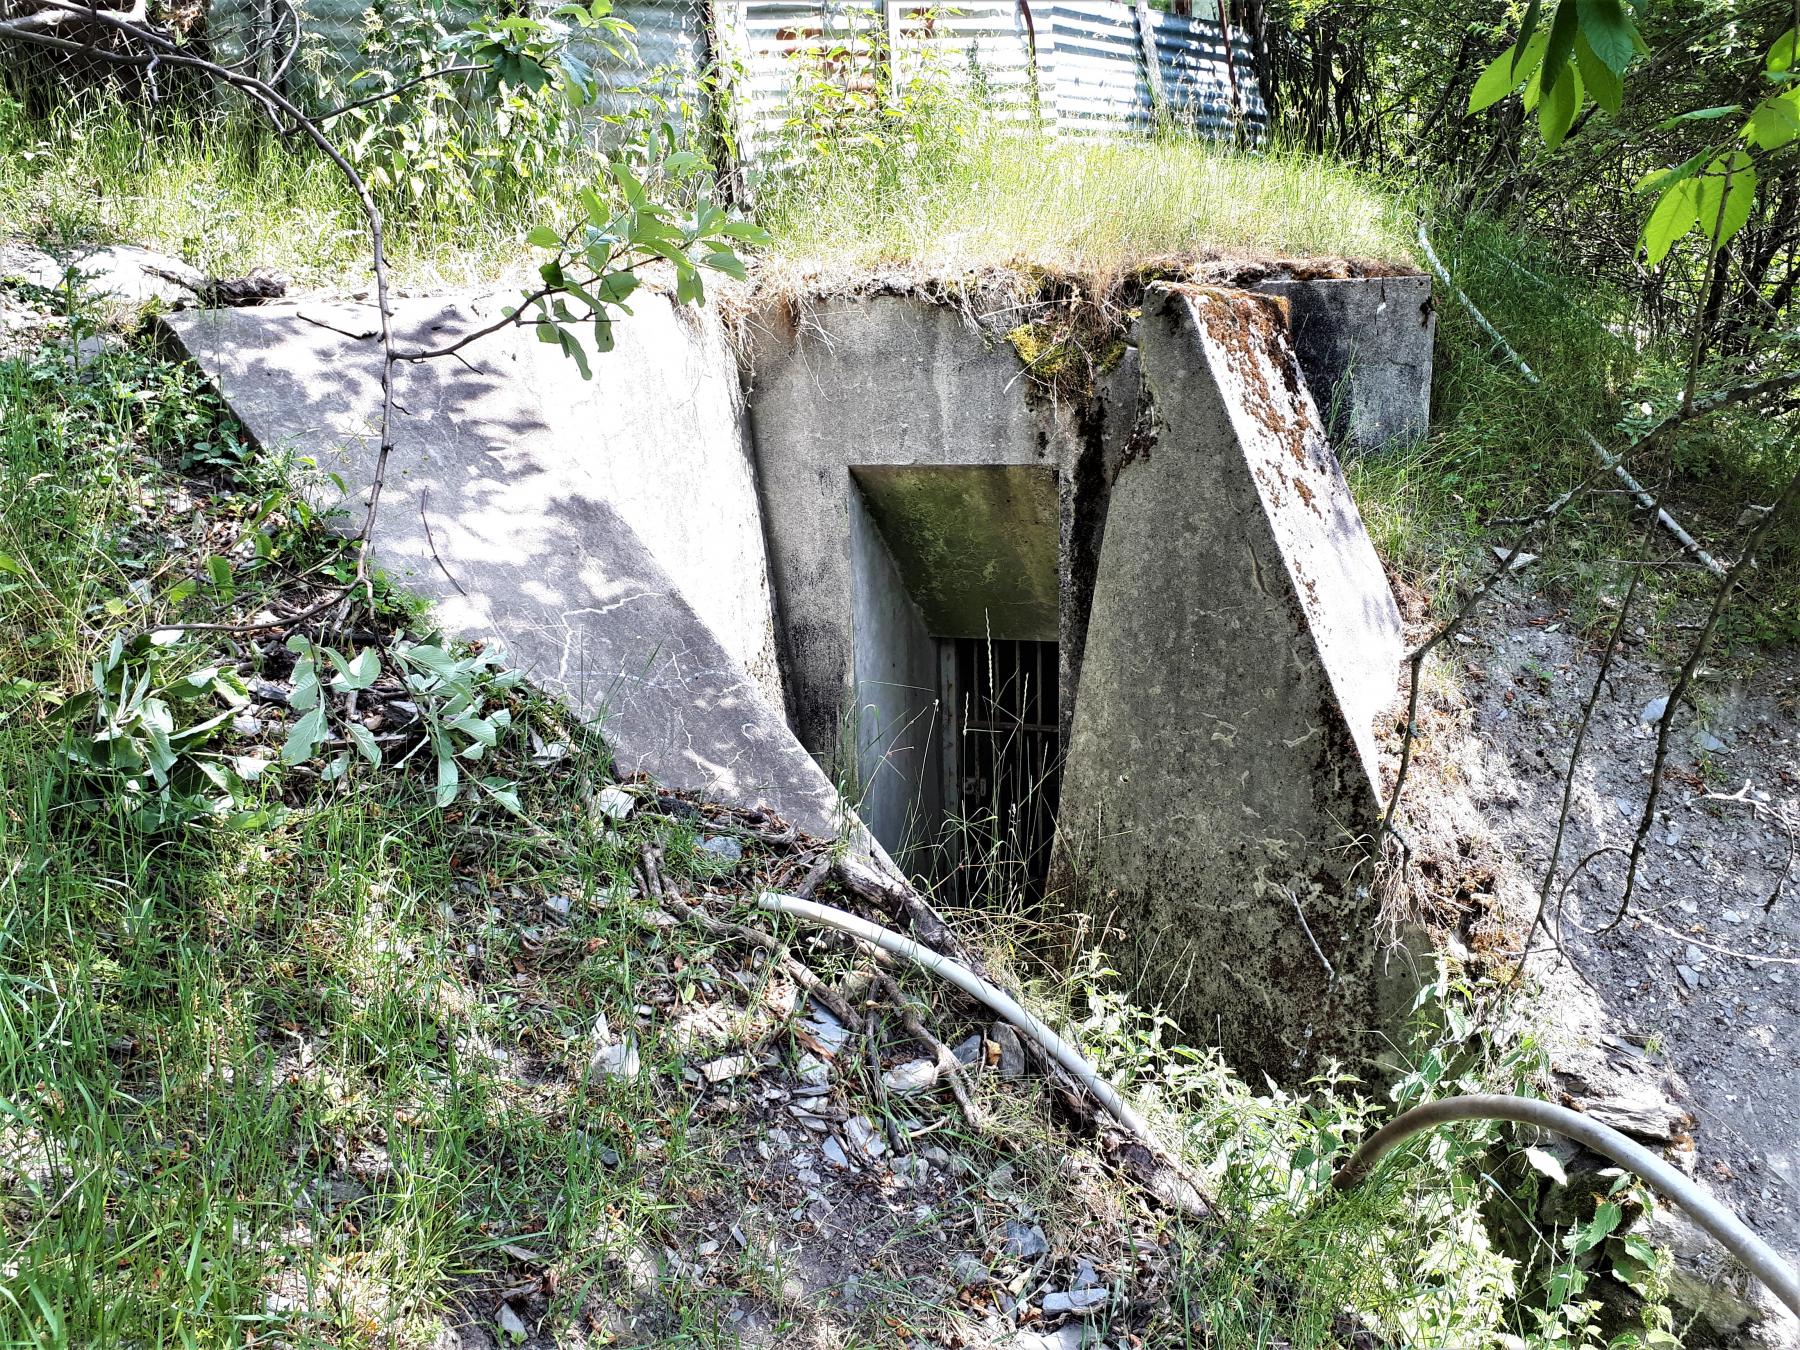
(455, 703)
(1581, 55)
(631, 218)
(874, 122)
(139, 738)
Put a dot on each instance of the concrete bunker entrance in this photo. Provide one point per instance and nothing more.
(956, 728)
(846, 556)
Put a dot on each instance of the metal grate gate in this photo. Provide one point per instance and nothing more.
(1004, 768)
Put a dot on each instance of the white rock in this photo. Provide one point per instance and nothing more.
(722, 848)
(731, 1066)
(512, 1326)
(916, 1075)
(613, 1059)
(1654, 709)
(865, 1136)
(1074, 1301)
(615, 803)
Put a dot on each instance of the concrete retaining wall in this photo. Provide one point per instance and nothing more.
(606, 533)
(1365, 345)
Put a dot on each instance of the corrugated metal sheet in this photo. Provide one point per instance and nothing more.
(1089, 78)
(1197, 78)
(671, 51)
(1096, 68)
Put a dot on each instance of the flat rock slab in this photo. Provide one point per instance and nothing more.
(500, 510)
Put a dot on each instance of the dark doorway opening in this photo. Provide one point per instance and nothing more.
(1003, 765)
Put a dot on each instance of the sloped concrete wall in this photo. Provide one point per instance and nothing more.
(1241, 642)
(606, 533)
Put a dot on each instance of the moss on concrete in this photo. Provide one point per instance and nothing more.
(976, 546)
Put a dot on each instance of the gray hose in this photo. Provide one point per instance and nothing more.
(975, 987)
(1758, 1257)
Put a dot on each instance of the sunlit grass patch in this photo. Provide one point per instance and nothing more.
(1097, 208)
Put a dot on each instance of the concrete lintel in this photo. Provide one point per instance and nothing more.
(1241, 642)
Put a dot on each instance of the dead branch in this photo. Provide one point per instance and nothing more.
(649, 859)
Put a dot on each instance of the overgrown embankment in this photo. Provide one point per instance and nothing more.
(311, 1040)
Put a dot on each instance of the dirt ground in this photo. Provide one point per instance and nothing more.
(1701, 981)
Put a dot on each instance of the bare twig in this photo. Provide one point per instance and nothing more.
(442, 72)
(1318, 951)
(1613, 640)
(649, 859)
(431, 543)
(1759, 809)
(947, 1063)
(1665, 724)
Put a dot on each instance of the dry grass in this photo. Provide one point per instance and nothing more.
(1098, 210)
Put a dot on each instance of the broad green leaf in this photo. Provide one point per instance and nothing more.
(1608, 30)
(219, 571)
(449, 779)
(366, 668)
(749, 232)
(1557, 109)
(724, 260)
(1557, 56)
(628, 183)
(10, 565)
(1592, 1233)
(1658, 179)
(617, 287)
(1774, 124)
(304, 737)
(1781, 52)
(1727, 194)
(477, 728)
(357, 674)
(1712, 114)
(543, 236)
(1601, 80)
(195, 684)
(1673, 216)
(433, 658)
(364, 740)
(1527, 31)
(504, 793)
(571, 348)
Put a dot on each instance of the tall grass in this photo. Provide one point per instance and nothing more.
(215, 188)
(1095, 208)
